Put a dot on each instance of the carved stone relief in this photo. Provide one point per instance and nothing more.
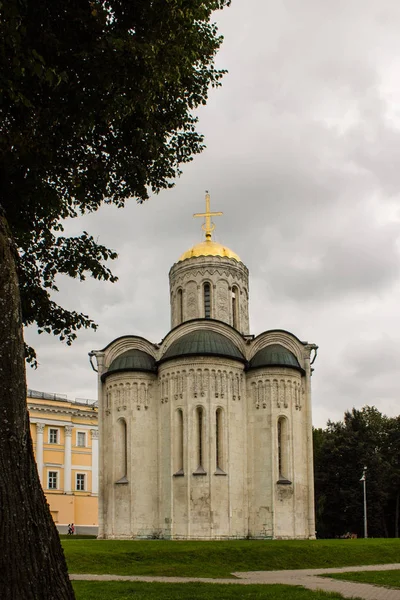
(191, 301)
(120, 396)
(282, 392)
(285, 492)
(222, 302)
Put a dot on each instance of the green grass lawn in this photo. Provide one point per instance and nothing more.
(117, 590)
(220, 559)
(385, 578)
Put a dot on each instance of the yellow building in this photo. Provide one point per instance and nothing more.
(65, 441)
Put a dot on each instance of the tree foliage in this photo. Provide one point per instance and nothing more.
(97, 101)
(96, 105)
(364, 438)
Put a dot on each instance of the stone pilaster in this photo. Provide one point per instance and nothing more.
(67, 458)
(309, 441)
(39, 449)
(101, 461)
(95, 461)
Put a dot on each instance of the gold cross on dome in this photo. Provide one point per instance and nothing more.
(208, 226)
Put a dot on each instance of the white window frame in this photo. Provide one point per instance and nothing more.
(57, 429)
(57, 472)
(77, 438)
(84, 482)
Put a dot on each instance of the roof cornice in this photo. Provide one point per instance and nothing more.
(61, 410)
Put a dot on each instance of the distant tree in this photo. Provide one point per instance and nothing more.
(96, 105)
(391, 452)
(364, 438)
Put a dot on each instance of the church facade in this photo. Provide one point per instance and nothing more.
(208, 434)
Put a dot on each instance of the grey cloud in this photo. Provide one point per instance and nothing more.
(302, 142)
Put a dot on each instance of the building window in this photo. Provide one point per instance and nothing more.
(219, 442)
(53, 436)
(179, 443)
(235, 307)
(199, 437)
(52, 480)
(80, 482)
(283, 450)
(179, 299)
(200, 445)
(122, 452)
(81, 439)
(207, 300)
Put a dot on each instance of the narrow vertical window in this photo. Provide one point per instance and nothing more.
(81, 439)
(235, 300)
(207, 300)
(280, 448)
(52, 480)
(219, 447)
(80, 482)
(179, 300)
(124, 456)
(179, 444)
(200, 441)
(122, 453)
(283, 450)
(53, 436)
(200, 437)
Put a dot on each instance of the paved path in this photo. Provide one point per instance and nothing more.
(308, 578)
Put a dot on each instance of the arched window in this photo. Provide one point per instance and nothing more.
(179, 306)
(219, 442)
(207, 300)
(179, 443)
(235, 307)
(200, 441)
(283, 450)
(122, 452)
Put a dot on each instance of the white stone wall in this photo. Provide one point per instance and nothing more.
(164, 494)
(209, 504)
(279, 510)
(131, 505)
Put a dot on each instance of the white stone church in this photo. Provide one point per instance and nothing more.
(207, 434)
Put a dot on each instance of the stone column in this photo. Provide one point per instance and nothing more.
(309, 442)
(95, 461)
(213, 292)
(200, 302)
(39, 449)
(102, 414)
(183, 305)
(67, 458)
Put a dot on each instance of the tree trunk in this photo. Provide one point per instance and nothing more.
(384, 527)
(396, 518)
(32, 563)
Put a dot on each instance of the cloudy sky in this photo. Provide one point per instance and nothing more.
(303, 147)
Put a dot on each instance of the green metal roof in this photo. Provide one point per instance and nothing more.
(203, 342)
(132, 360)
(274, 355)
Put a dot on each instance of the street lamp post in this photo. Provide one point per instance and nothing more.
(364, 480)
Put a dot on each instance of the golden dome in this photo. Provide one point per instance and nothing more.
(209, 248)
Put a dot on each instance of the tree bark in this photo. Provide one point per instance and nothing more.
(32, 563)
(384, 527)
(396, 518)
